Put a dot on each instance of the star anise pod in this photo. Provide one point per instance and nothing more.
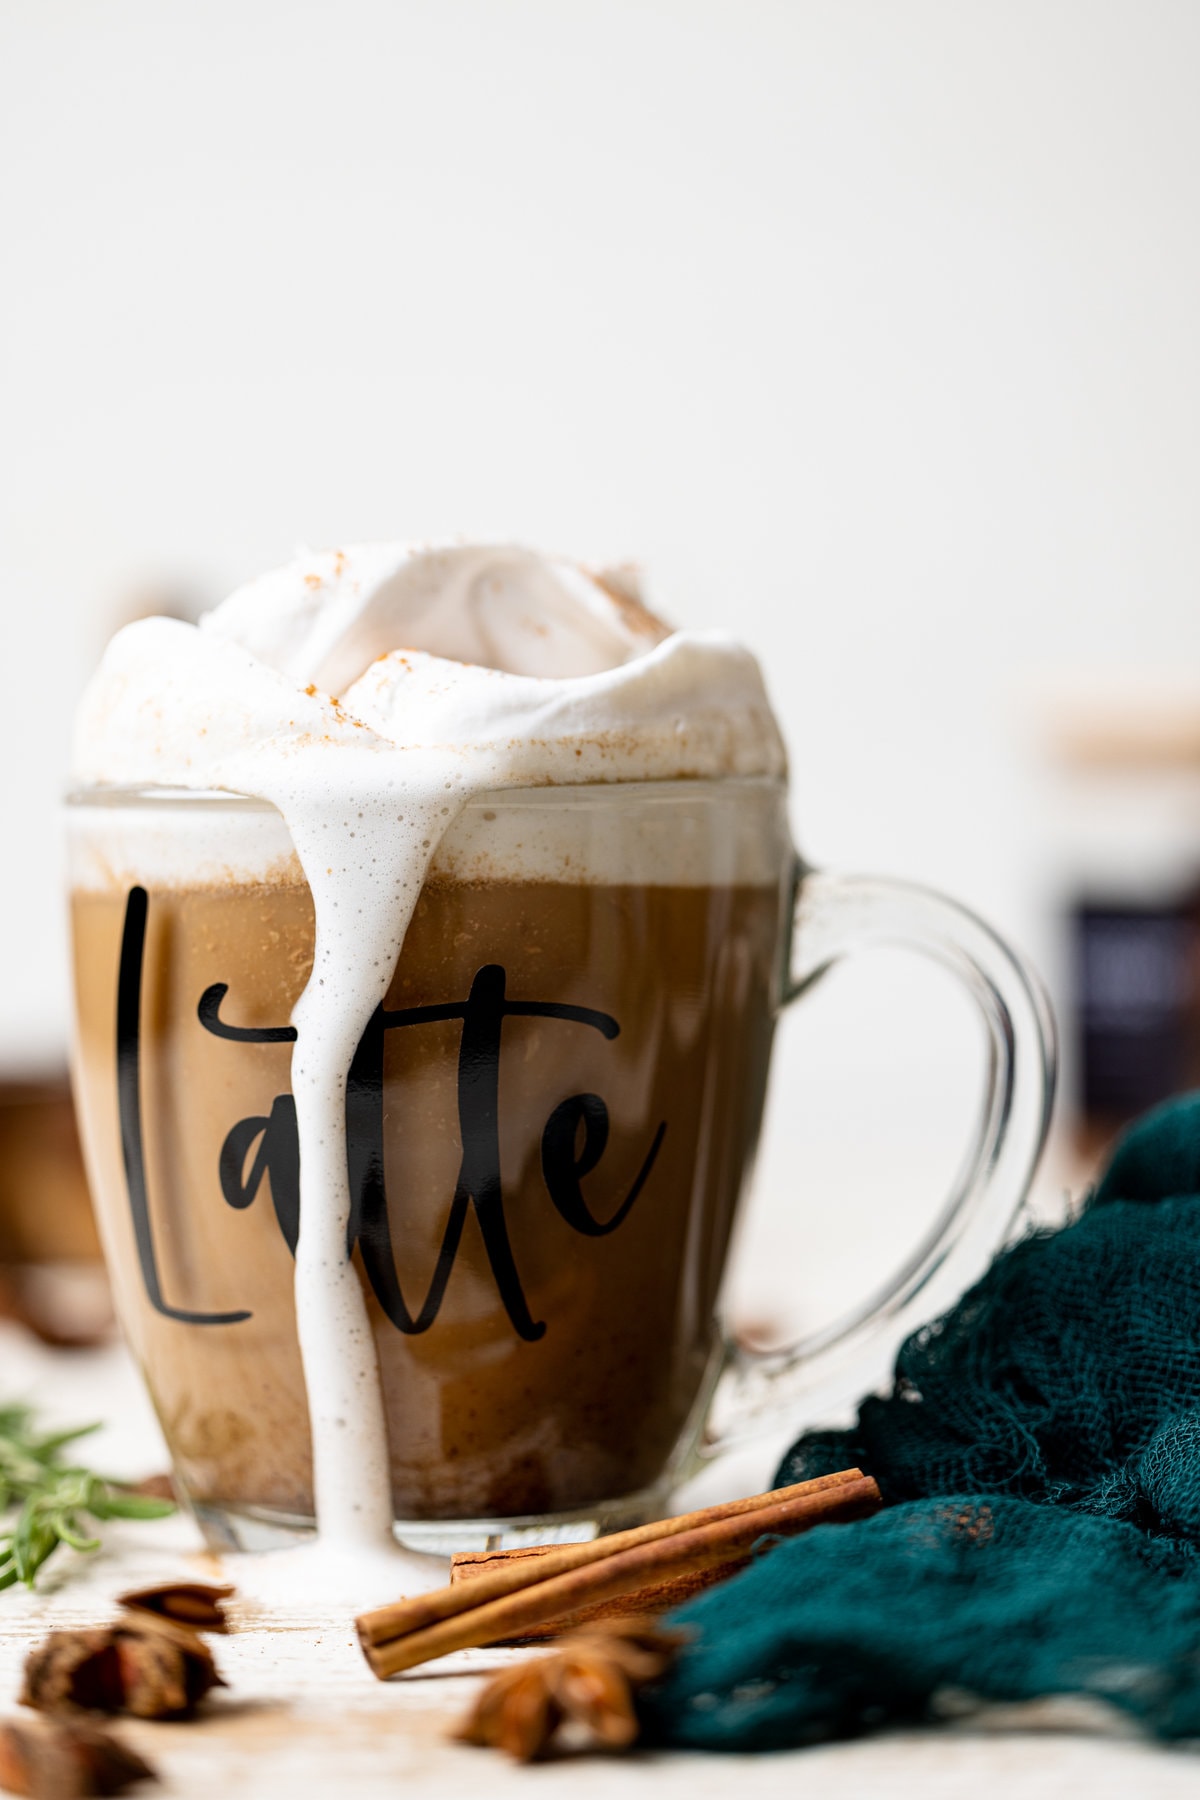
(152, 1667)
(193, 1603)
(66, 1759)
(588, 1681)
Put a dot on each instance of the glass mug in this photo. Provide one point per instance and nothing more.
(550, 1123)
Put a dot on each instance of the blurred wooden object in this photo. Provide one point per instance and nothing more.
(1125, 722)
(51, 1269)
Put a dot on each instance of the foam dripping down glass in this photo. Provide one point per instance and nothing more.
(432, 914)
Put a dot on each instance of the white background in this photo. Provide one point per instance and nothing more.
(869, 328)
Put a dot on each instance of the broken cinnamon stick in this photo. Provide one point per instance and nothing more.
(516, 1599)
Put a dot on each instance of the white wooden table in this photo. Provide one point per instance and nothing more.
(302, 1715)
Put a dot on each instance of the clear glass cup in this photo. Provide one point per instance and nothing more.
(551, 1123)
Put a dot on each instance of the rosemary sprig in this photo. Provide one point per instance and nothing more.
(52, 1497)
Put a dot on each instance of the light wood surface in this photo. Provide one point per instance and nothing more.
(303, 1715)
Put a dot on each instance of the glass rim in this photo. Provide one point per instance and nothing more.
(545, 793)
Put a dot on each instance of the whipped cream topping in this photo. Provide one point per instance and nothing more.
(369, 694)
(495, 654)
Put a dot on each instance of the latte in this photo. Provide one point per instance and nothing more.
(549, 1123)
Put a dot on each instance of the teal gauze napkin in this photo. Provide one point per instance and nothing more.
(1039, 1455)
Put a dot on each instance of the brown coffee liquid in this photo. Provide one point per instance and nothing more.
(544, 1202)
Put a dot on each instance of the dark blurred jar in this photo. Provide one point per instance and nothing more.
(1123, 854)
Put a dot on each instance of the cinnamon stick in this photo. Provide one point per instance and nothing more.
(466, 1615)
(643, 1603)
(384, 1623)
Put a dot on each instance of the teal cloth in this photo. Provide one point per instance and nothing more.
(1039, 1452)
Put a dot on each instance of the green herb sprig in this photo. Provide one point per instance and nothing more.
(54, 1496)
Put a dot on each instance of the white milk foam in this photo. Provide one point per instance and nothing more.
(458, 672)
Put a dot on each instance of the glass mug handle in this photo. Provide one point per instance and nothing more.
(836, 915)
